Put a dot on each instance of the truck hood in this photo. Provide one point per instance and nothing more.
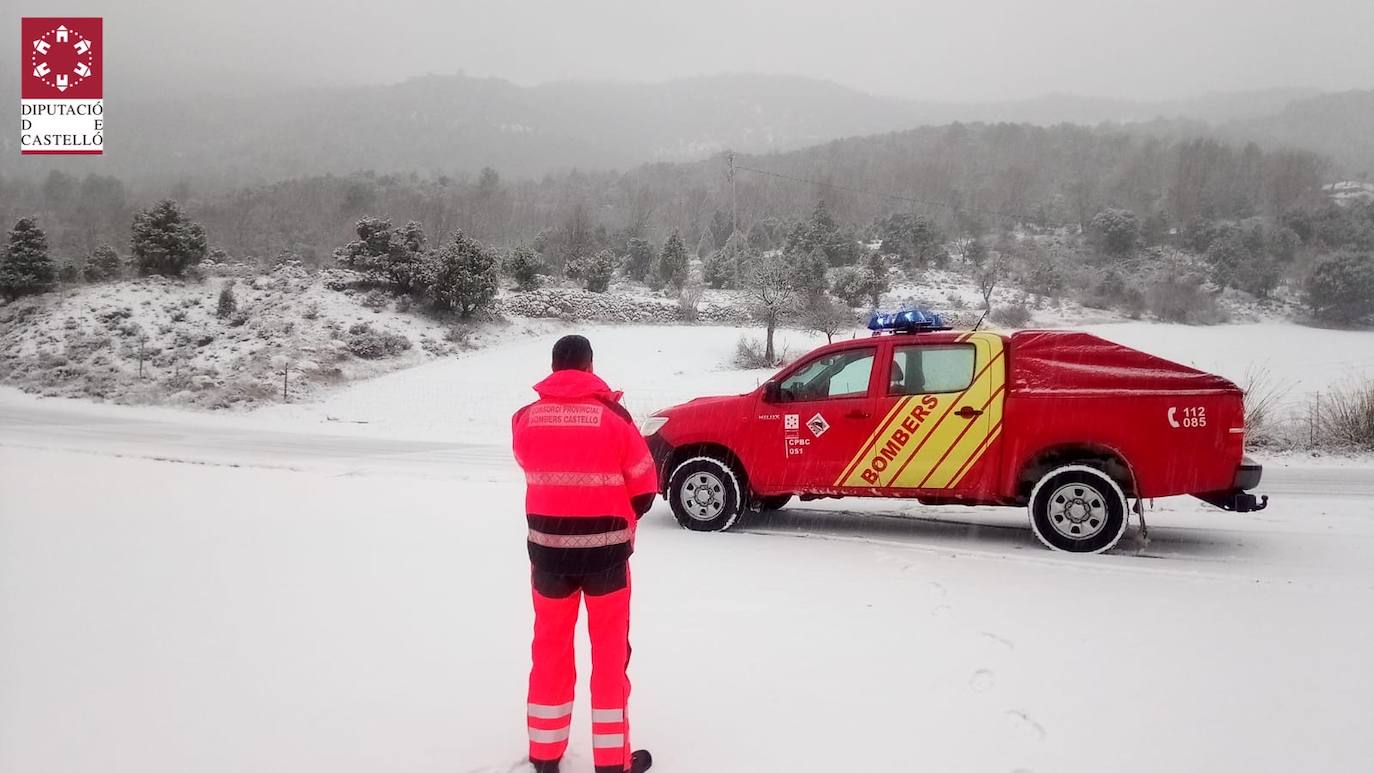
(701, 404)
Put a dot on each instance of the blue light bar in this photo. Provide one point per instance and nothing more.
(907, 321)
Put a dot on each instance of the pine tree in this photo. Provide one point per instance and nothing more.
(25, 266)
(103, 264)
(672, 264)
(165, 242)
(462, 276)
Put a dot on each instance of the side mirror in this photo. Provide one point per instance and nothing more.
(772, 392)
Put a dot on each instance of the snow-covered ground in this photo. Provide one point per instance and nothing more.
(167, 617)
(319, 594)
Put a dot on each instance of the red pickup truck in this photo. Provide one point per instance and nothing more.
(1067, 424)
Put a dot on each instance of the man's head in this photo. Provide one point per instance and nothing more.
(572, 353)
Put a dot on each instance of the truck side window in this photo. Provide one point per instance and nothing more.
(918, 370)
(841, 374)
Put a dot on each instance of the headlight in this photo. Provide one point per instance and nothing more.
(652, 424)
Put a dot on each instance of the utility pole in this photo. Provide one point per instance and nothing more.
(734, 198)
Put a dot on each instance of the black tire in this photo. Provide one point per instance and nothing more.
(1078, 509)
(769, 504)
(706, 494)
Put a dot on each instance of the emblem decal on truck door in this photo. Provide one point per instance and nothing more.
(817, 424)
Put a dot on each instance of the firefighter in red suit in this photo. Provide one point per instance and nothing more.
(589, 478)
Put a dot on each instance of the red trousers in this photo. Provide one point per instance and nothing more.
(554, 672)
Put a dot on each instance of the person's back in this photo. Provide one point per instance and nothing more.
(588, 478)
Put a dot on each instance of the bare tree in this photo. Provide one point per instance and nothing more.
(988, 276)
(769, 288)
(826, 316)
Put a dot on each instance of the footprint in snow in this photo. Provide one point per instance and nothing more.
(982, 680)
(1008, 643)
(1026, 725)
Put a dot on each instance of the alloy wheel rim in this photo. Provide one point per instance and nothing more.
(1077, 511)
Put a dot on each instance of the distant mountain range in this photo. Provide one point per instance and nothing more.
(458, 124)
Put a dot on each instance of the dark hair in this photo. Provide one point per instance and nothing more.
(572, 353)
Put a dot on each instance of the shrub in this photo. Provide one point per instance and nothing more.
(376, 300)
(1263, 396)
(370, 344)
(1115, 231)
(1180, 297)
(228, 304)
(1346, 416)
(594, 271)
(524, 266)
(689, 299)
(1340, 289)
(1013, 315)
(1114, 291)
(750, 354)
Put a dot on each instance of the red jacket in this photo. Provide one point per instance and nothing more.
(584, 461)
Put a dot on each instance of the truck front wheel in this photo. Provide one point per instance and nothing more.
(706, 494)
(1078, 509)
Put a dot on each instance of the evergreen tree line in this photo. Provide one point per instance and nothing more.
(969, 179)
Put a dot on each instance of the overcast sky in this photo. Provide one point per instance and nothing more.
(967, 50)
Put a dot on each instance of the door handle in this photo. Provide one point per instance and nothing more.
(857, 413)
(968, 412)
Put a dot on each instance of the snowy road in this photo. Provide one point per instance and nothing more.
(321, 597)
(70, 426)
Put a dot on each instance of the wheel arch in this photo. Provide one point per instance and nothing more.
(690, 451)
(1104, 458)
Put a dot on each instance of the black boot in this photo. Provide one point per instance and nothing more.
(545, 766)
(640, 761)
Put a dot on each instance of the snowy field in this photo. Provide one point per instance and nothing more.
(318, 594)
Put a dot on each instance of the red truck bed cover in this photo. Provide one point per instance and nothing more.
(1067, 362)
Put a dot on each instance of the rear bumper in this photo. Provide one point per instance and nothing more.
(1237, 499)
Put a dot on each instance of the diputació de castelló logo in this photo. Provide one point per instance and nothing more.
(62, 109)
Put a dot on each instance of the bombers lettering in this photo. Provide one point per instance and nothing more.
(885, 453)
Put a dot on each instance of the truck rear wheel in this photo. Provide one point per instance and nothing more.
(1078, 509)
(706, 494)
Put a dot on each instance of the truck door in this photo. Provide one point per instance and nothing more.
(940, 408)
(824, 410)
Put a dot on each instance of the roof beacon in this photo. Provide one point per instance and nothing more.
(907, 321)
